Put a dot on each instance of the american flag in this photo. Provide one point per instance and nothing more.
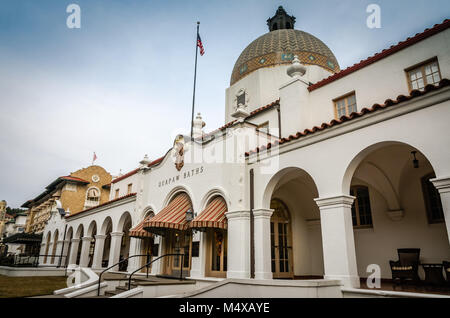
(200, 44)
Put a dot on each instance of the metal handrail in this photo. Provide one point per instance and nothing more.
(149, 263)
(120, 262)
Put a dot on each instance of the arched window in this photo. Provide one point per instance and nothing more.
(432, 199)
(281, 240)
(361, 212)
(92, 197)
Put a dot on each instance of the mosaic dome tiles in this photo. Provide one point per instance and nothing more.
(279, 47)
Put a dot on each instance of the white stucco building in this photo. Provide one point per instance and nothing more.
(317, 173)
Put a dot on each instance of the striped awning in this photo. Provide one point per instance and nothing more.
(138, 231)
(213, 216)
(173, 216)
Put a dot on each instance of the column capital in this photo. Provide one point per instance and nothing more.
(335, 201)
(100, 237)
(442, 184)
(263, 213)
(86, 238)
(116, 234)
(231, 215)
(75, 240)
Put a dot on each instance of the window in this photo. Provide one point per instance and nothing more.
(421, 75)
(241, 99)
(345, 105)
(361, 213)
(92, 198)
(129, 188)
(432, 199)
(117, 194)
(93, 194)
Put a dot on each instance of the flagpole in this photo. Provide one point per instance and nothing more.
(195, 79)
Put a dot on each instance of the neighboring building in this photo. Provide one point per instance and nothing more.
(3, 217)
(85, 188)
(16, 226)
(318, 173)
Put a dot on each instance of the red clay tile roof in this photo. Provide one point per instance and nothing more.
(155, 162)
(129, 174)
(103, 204)
(253, 113)
(388, 103)
(385, 53)
(133, 172)
(73, 179)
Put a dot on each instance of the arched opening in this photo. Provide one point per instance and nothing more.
(47, 246)
(281, 240)
(54, 247)
(147, 244)
(106, 230)
(69, 246)
(92, 231)
(213, 220)
(125, 223)
(396, 207)
(296, 238)
(80, 234)
(177, 237)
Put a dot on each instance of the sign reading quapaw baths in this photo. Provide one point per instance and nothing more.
(185, 175)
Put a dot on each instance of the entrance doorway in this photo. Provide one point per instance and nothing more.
(216, 265)
(178, 243)
(281, 240)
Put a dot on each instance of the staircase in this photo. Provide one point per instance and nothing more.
(141, 281)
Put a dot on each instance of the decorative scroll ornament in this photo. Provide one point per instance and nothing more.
(178, 148)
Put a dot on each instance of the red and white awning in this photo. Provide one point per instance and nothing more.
(213, 216)
(138, 231)
(173, 216)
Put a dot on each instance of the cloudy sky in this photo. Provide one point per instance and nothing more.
(122, 84)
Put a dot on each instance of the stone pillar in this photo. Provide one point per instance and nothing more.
(238, 244)
(263, 258)
(135, 249)
(443, 186)
(85, 245)
(73, 251)
(114, 253)
(98, 251)
(339, 254)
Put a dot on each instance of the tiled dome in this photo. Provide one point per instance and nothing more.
(279, 47)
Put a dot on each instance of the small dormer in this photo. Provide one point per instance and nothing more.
(281, 20)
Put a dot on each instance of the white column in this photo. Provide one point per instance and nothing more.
(73, 251)
(114, 252)
(135, 249)
(339, 254)
(98, 251)
(443, 186)
(238, 244)
(85, 245)
(263, 259)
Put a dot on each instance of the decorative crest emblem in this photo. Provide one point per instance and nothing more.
(178, 148)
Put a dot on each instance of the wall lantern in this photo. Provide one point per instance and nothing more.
(189, 215)
(415, 161)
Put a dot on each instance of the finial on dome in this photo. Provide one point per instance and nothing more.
(281, 20)
(296, 69)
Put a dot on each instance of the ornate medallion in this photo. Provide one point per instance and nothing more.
(178, 148)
